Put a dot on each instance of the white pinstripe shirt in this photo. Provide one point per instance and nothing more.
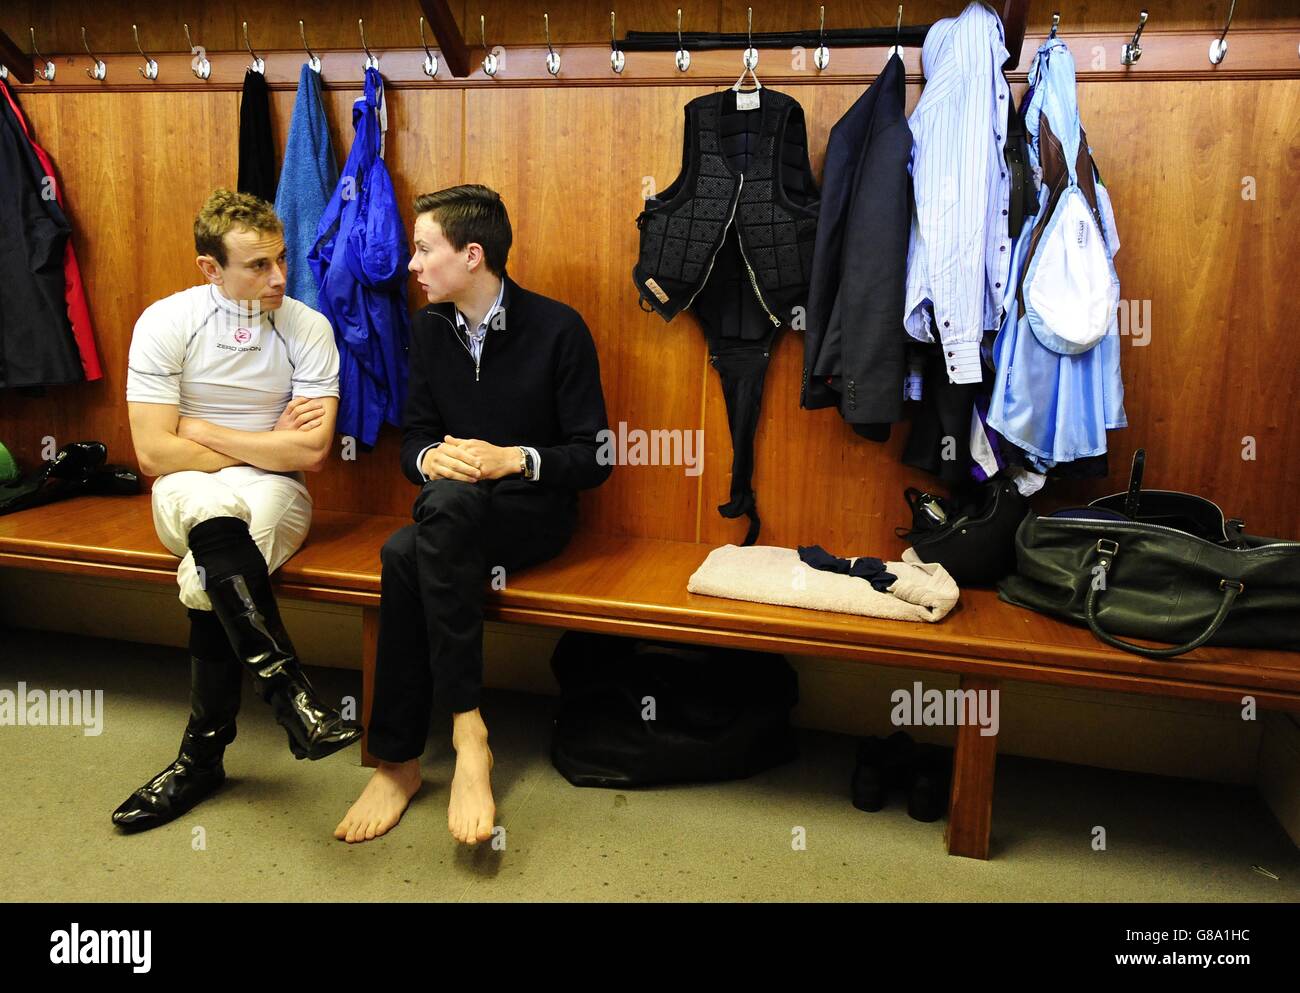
(959, 251)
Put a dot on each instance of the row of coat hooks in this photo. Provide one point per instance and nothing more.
(202, 67)
(643, 41)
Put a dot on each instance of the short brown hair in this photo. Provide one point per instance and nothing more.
(471, 212)
(225, 211)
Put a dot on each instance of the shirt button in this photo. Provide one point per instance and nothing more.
(998, 285)
(1002, 248)
(998, 137)
(1004, 213)
(945, 323)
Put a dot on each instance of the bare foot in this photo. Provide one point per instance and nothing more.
(382, 802)
(471, 814)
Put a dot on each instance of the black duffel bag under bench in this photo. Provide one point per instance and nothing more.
(718, 713)
(1159, 565)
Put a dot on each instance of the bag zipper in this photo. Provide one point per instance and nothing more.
(1139, 525)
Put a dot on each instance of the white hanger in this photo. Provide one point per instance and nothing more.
(757, 85)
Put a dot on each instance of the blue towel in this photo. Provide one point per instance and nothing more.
(306, 182)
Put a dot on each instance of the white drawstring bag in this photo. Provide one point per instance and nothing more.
(1071, 289)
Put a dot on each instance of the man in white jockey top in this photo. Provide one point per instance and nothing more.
(232, 390)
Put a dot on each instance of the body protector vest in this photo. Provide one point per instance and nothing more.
(732, 238)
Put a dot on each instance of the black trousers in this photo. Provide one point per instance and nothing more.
(434, 580)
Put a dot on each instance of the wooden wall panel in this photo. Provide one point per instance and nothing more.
(1216, 268)
(571, 163)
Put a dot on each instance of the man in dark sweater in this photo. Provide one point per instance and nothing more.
(503, 416)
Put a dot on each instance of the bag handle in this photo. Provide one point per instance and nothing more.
(1108, 549)
(1135, 484)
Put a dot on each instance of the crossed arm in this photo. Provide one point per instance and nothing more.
(167, 442)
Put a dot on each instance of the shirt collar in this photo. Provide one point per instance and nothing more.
(487, 318)
(961, 43)
(243, 310)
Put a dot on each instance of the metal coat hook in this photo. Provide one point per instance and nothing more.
(1219, 47)
(821, 54)
(1056, 23)
(489, 58)
(616, 58)
(683, 57)
(312, 60)
(750, 57)
(150, 68)
(47, 71)
(552, 60)
(430, 60)
(258, 64)
(372, 61)
(1131, 52)
(199, 65)
(898, 34)
(100, 70)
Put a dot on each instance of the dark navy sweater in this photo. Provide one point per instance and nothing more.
(538, 385)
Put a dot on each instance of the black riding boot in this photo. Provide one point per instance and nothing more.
(239, 587)
(215, 678)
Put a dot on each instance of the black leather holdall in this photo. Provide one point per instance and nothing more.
(1159, 565)
(637, 713)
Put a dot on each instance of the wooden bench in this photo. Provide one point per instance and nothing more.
(637, 587)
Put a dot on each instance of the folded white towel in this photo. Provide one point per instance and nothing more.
(767, 574)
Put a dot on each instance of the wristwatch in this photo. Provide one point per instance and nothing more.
(526, 463)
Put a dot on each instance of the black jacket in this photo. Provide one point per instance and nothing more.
(538, 385)
(36, 343)
(854, 345)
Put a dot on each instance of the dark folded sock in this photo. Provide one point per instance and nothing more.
(863, 567)
(819, 558)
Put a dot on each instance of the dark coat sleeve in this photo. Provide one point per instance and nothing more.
(577, 462)
(875, 254)
(837, 174)
(422, 423)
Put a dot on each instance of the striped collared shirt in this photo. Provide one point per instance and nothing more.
(959, 250)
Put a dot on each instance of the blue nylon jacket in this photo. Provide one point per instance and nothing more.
(359, 261)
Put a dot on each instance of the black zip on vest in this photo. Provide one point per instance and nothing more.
(732, 238)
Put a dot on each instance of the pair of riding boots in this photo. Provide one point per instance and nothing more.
(243, 632)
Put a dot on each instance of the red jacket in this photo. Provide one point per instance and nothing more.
(74, 291)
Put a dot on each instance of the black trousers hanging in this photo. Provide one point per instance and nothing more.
(434, 580)
(740, 336)
(258, 173)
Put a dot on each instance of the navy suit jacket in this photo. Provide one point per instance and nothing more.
(855, 344)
